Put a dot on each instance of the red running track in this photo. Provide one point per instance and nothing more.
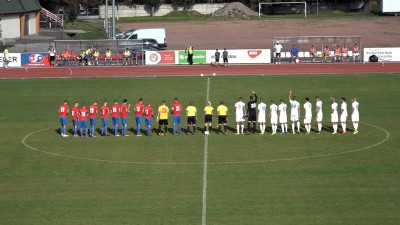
(196, 70)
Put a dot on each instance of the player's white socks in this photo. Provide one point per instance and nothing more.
(237, 128)
(319, 127)
(298, 126)
(355, 125)
(293, 127)
(242, 128)
(334, 128)
(283, 128)
(344, 127)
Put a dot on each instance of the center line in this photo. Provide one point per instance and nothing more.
(205, 163)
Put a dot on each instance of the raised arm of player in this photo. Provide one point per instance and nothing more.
(290, 96)
(255, 96)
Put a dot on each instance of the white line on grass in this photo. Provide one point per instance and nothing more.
(205, 167)
(24, 139)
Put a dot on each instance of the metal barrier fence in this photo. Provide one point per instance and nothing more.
(117, 48)
(304, 43)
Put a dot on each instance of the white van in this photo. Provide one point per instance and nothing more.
(154, 33)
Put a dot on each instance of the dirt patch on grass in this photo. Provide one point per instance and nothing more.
(375, 32)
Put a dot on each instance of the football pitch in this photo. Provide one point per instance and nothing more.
(195, 179)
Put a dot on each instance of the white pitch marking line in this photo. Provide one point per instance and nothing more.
(70, 71)
(205, 167)
(23, 141)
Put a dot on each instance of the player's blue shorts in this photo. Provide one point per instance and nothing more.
(84, 124)
(87, 56)
(104, 122)
(63, 121)
(124, 121)
(139, 120)
(149, 122)
(92, 122)
(115, 120)
(75, 123)
(177, 119)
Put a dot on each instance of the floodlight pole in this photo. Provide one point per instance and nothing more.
(317, 7)
(113, 19)
(106, 20)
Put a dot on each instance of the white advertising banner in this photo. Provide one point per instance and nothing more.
(383, 54)
(242, 56)
(14, 58)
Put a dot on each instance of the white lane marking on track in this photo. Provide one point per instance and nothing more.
(23, 141)
(205, 168)
(70, 72)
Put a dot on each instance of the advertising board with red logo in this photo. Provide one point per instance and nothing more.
(160, 57)
(242, 56)
(32, 59)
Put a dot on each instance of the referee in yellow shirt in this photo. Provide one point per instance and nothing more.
(208, 115)
(162, 118)
(222, 113)
(191, 113)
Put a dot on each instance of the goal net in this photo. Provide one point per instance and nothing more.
(294, 10)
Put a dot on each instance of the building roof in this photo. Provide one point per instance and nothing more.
(19, 6)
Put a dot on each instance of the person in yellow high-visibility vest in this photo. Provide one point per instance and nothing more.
(189, 51)
(108, 57)
(127, 56)
(6, 58)
(96, 55)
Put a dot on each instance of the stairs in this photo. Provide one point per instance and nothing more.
(51, 19)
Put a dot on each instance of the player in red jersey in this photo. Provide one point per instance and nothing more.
(124, 116)
(75, 118)
(139, 110)
(83, 115)
(63, 111)
(148, 112)
(115, 111)
(177, 111)
(93, 115)
(105, 111)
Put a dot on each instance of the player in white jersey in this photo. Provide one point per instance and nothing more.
(307, 115)
(355, 116)
(273, 114)
(261, 113)
(240, 113)
(343, 114)
(294, 112)
(318, 106)
(334, 115)
(283, 116)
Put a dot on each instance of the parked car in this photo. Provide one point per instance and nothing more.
(119, 35)
(151, 33)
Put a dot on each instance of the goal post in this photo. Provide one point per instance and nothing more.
(281, 3)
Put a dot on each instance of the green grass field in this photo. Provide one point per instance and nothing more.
(251, 180)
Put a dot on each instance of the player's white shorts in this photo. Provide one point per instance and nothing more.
(319, 117)
(307, 119)
(334, 118)
(356, 54)
(239, 118)
(355, 117)
(343, 118)
(283, 119)
(261, 119)
(274, 119)
(294, 117)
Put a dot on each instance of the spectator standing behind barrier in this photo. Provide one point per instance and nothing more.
(313, 51)
(52, 53)
(189, 51)
(356, 53)
(6, 56)
(225, 57)
(294, 54)
(327, 53)
(278, 48)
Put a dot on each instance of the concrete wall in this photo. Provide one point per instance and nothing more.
(141, 10)
(10, 26)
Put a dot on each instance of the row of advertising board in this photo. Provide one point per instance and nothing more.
(238, 56)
